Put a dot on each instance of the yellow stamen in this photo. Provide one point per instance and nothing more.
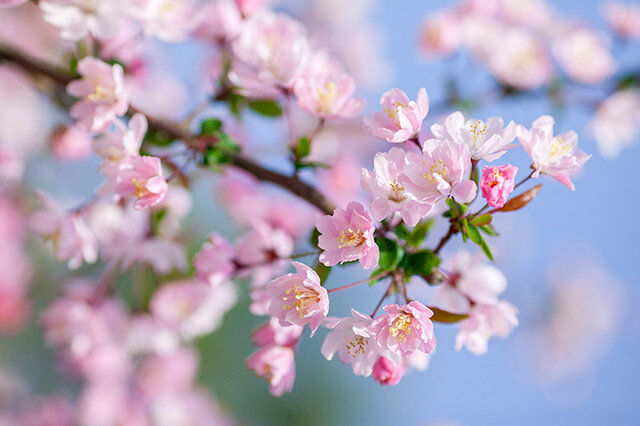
(401, 327)
(300, 298)
(350, 238)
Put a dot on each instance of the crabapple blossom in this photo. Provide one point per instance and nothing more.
(557, 156)
(401, 118)
(388, 194)
(624, 18)
(497, 183)
(405, 329)
(78, 19)
(484, 322)
(441, 34)
(71, 143)
(167, 20)
(616, 123)
(354, 342)
(273, 333)
(248, 7)
(486, 141)
(583, 56)
(386, 372)
(124, 142)
(325, 90)
(11, 3)
(298, 298)
(102, 94)
(220, 20)
(277, 365)
(440, 171)
(142, 179)
(214, 262)
(347, 235)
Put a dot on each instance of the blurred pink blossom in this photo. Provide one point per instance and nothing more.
(277, 365)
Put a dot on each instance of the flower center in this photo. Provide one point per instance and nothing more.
(478, 132)
(140, 186)
(559, 148)
(398, 191)
(495, 175)
(300, 298)
(437, 168)
(394, 110)
(100, 93)
(357, 346)
(350, 238)
(326, 96)
(401, 327)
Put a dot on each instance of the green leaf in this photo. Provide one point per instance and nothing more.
(465, 229)
(443, 316)
(323, 271)
(314, 237)
(420, 263)
(73, 65)
(390, 254)
(215, 157)
(156, 218)
(266, 107)
(375, 272)
(226, 144)
(489, 230)
(419, 233)
(402, 232)
(485, 219)
(476, 237)
(209, 126)
(236, 103)
(159, 138)
(304, 147)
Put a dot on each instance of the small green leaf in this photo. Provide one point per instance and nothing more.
(226, 144)
(215, 157)
(390, 254)
(476, 237)
(304, 147)
(465, 229)
(159, 138)
(73, 65)
(314, 237)
(266, 107)
(323, 271)
(375, 272)
(420, 263)
(489, 230)
(209, 126)
(485, 219)
(443, 316)
(236, 103)
(419, 233)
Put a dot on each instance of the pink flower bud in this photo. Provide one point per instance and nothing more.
(386, 372)
(497, 183)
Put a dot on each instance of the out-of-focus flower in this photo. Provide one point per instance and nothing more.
(484, 322)
(486, 141)
(439, 172)
(271, 53)
(277, 365)
(11, 3)
(263, 252)
(557, 156)
(583, 56)
(248, 7)
(388, 194)
(386, 372)
(339, 183)
(71, 143)
(401, 118)
(167, 20)
(214, 262)
(405, 329)
(102, 92)
(616, 123)
(440, 34)
(78, 19)
(348, 235)
(326, 90)
(142, 179)
(497, 183)
(220, 21)
(298, 298)
(624, 18)
(124, 142)
(274, 333)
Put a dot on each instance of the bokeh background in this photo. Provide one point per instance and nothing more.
(571, 259)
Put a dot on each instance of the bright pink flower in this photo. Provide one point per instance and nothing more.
(557, 156)
(441, 34)
(298, 298)
(271, 51)
(326, 90)
(142, 178)
(71, 143)
(72, 240)
(388, 194)
(272, 333)
(404, 329)
(167, 20)
(616, 123)
(221, 21)
(192, 308)
(497, 183)
(79, 18)
(485, 321)
(354, 342)
(486, 141)
(214, 262)
(401, 118)
(102, 92)
(347, 235)
(439, 172)
(277, 365)
(624, 18)
(583, 56)
(386, 372)
(469, 279)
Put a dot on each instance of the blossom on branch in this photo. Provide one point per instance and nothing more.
(401, 118)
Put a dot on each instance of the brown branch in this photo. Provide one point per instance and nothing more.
(177, 131)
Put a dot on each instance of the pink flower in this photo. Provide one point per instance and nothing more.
(401, 119)
(277, 365)
(192, 308)
(271, 53)
(79, 18)
(469, 279)
(354, 342)
(485, 321)
(497, 183)
(405, 329)
(441, 34)
(440, 172)
(102, 92)
(220, 21)
(142, 178)
(388, 194)
(262, 252)
(11, 3)
(214, 262)
(624, 18)
(72, 240)
(486, 141)
(168, 373)
(616, 123)
(386, 372)
(167, 20)
(326, 90)
(583, 56)
(347, 235)
(247, 7)
(298, 298)
(71, 143)
(272, 333)
(557, 156)
(124, 142)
